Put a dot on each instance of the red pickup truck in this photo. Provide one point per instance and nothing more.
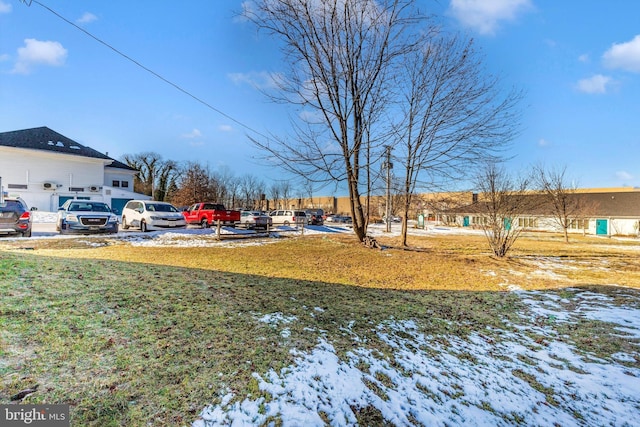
(207, 214)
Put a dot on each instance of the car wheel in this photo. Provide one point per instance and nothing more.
(124, 223)
(27, 233)
(286, 223)
(204, 223)
(143, 227)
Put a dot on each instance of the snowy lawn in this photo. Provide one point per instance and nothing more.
(532, 375)
(180, 328)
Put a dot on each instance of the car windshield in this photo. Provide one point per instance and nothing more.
(160, 207)
(89, 207)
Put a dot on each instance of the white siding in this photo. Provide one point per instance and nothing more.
(33, 168)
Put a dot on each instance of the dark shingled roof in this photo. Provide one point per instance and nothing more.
(45, 139)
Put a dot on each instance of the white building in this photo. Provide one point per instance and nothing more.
(46, 168)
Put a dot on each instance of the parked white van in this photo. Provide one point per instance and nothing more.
(288, 217)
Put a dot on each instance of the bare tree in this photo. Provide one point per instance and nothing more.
(287, 193)
(560, 197)
(225, 187)
(155, 175)
(502, 200)
(340, 55)
(453, 116)
(275, 193)
(250, 189)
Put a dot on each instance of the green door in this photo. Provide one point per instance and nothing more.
(118, 204)
(602, 227)
(465, 221)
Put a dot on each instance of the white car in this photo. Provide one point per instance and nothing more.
(150, 215)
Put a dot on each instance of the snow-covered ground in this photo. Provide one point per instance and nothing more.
(475, 381)
(470, 382)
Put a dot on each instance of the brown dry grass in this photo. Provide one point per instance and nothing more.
(448, 262)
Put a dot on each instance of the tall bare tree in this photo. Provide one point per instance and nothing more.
(454, 116)
(287, 194)
(155, 175)
(340, 54)
(560, 196)
(250, 190)
(275, 193)
(502, 200)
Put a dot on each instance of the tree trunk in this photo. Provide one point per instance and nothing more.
(359, 224)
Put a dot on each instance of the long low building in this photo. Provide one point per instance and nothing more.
(605, 212)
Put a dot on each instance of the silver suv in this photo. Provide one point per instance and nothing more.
(15, 217)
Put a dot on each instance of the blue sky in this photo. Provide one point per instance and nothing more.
(577, 61)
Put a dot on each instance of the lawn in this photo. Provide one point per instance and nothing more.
(318, 329)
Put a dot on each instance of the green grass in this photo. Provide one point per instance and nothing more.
(149, 336)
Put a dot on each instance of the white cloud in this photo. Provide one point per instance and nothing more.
(594, 84)
(624, 176)
(584, 57)
(4, 57)
(87, 18)
(192, 135)
(625, 56)
(484, 16)
(225, 128)
(259, 80)
(36, 52)
(4, 7)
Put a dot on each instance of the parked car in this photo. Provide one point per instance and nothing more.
(342, 219)
(255, 219)
(315, 216)
(394, 218)
(150, 215)
(15, 217)
(288, 217)
(85, 217)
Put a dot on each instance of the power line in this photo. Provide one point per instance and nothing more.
(147, 69)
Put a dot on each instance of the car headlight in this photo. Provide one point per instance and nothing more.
(71, 218)
(113, 219)
(155, 218)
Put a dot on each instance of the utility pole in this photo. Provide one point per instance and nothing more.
(388, 165)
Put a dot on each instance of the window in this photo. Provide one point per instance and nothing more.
(115, 183)
(579, 224)
(125, 184)
(479, 220)
(528, 222)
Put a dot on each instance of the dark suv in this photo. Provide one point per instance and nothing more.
(315, 216)
(15, 217)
